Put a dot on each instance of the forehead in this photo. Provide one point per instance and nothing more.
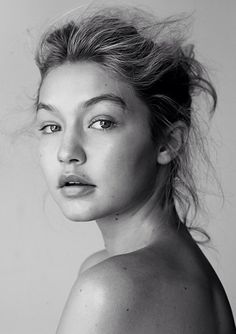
(74, 83)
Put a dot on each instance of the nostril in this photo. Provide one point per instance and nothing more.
(72, 153)
(74, 160)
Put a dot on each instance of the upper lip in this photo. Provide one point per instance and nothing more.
(64, 178)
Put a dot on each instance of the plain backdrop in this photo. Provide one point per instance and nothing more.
(41, 251)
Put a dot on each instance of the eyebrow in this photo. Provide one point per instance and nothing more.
(94, 100)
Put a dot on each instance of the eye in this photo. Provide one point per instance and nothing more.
(103, 124)
(49, 128)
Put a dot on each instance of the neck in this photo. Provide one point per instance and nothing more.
(130, 231)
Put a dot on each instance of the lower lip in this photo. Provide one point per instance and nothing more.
(77, 191)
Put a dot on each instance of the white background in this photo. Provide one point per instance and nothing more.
(41, 251)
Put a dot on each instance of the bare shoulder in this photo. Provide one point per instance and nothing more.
(93, 259)
(134, 293)
(172, 296)
(100, 302)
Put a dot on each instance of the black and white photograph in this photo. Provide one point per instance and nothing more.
(117, 168)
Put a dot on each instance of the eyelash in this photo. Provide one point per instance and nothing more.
(113, 124)
(45, 126)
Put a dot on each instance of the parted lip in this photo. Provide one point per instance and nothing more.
(65, 178)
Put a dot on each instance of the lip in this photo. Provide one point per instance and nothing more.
(83, 188)
(77, 191)
(82, 180)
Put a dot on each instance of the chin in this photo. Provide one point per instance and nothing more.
(84, 214)
(73, 210)
(77, 216)
(78, 219)
(83, 211)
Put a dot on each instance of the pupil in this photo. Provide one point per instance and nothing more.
(53, 127)
(105, 124)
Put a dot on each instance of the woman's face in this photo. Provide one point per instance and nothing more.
(93, 126)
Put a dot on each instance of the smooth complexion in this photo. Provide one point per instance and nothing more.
(93, 125)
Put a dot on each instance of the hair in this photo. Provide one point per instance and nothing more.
(152, 56)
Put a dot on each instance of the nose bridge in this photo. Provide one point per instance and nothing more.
(71, 147)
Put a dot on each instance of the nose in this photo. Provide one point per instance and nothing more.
(71, 151)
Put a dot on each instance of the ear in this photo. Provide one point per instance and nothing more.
(175, 139)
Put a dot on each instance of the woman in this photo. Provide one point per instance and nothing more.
(115, 113)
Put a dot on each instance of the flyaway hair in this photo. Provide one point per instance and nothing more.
(152, 56)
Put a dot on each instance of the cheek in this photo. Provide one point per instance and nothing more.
(129, 161)
(130, 175)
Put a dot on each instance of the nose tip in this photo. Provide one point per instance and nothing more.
(66, 158)
(71, 154)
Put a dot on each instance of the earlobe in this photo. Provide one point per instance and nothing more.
(176, 137)
(163, 156)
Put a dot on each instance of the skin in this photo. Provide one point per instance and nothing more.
(122, 161)
(142, 266)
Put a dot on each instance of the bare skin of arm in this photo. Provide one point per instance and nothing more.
(124, 294)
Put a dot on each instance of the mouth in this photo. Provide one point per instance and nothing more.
(73, 180)
(76, 189)
(74, 186)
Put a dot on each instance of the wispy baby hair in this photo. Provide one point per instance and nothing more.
(152, 56)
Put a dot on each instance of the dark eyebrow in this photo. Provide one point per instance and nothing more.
(94, 100)
(105, 97)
